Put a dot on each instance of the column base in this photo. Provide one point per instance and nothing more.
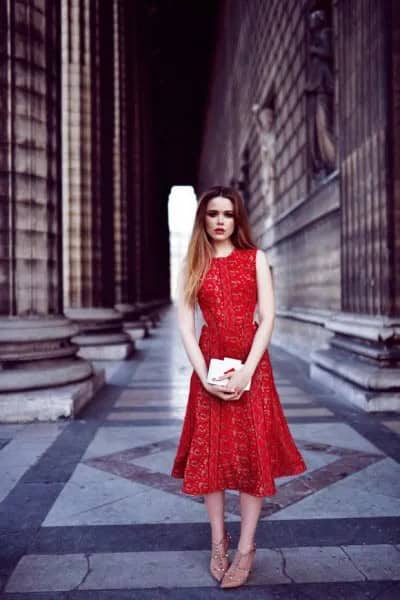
(49, 404)
(362, 362)
(101, 336)
(368, 401)
(132, 325)
(136, 330)
(128, 312)
(149, 312)
(41, 377)
(110, 347)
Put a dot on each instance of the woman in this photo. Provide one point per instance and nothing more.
(231, 438)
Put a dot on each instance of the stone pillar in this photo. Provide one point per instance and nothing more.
(40, 375)
(124, 300)
(90, 197)
(120, 159)
(126, 130)
(137, 135)
(363, 359)
(152, 257)
(132, 169)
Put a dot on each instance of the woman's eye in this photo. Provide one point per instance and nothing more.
(212, 214)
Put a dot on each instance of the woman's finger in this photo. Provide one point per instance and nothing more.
(222, 377)
(224, 389)
(232, 389)
(228, 393)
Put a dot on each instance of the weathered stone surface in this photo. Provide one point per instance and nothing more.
(135, 331)
(119, 351)
(36, 354)
(32, 375)
(329, 236)
(49, 403)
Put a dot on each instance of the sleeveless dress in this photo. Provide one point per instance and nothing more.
(233, 444)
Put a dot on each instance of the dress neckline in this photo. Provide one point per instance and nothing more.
(227, 256)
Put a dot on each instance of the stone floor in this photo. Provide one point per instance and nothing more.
(88, 510)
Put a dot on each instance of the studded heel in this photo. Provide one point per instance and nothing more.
(219, 561)
(237, 575)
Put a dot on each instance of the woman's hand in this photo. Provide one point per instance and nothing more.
(219, 391)
(237, 382)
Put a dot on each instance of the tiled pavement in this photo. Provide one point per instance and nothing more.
(88, 510)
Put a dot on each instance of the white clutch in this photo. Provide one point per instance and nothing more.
(219, 367)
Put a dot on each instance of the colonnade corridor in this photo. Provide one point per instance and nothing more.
(88, 509)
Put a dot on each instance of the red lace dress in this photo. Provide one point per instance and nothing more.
(239, 444)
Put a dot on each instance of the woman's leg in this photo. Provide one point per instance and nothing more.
(250, 509)
(219, 561)
(215, 508)
(236, 575)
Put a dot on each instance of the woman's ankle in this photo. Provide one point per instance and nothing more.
(217, 538)
(245, 547)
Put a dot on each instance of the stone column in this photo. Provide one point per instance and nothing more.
(124, 300)
(132, 169)
(88, 189)
(138, 140)
(40, 375)
(152, 256)
(363, 359)
(120, 160)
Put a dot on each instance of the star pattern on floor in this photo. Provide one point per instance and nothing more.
(348, 461)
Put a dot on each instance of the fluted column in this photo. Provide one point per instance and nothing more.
(81, 249)
(124, 199)
(151, 195)
(136, 135)
(35, 349)
(120, 157)
(90, 192)
(363, 357)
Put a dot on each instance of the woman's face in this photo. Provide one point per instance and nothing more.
(219, 220)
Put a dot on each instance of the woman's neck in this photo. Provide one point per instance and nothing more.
(224, 249)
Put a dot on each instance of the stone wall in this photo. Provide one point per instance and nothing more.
(303, 118)
(262, 58)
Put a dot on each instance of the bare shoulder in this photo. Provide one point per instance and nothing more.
(261, 259)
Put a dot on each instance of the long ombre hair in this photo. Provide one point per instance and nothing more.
(200, 250)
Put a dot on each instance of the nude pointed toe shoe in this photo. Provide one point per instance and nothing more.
(237, 575)
(219, 561)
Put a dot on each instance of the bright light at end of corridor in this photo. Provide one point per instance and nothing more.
(182, 206)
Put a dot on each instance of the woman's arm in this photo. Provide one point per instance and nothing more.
(187, 330)
(266, 310)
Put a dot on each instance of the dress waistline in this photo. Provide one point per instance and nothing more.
(230, 326)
